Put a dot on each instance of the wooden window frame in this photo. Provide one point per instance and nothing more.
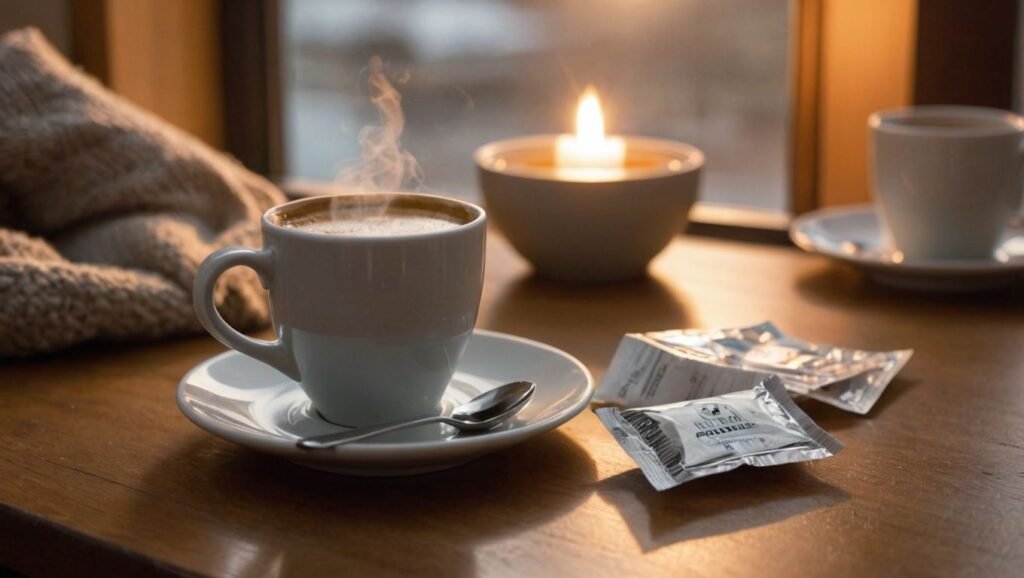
(847, 59)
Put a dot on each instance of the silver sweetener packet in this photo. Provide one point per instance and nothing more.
(664, 366)
(683, 441)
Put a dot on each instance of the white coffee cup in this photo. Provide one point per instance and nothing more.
(371, 326)
(947, 179)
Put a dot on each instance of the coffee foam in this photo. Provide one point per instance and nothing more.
(357, 223)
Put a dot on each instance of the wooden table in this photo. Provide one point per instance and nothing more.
(100, 475)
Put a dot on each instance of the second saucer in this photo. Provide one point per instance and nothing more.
(853, 235)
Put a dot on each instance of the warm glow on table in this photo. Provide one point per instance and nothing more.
(921, 474)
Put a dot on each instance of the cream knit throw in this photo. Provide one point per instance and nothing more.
(107, 211)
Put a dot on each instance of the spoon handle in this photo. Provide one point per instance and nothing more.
(350, 435)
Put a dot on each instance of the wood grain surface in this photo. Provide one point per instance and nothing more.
(101, 475)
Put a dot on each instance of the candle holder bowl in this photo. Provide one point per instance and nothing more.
(589, 226)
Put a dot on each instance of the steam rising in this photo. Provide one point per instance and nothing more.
(384, 165)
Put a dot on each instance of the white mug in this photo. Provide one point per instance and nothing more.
(371, 327)
(947, 179)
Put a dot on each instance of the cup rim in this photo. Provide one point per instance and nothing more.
(479, 216)
(996, 122)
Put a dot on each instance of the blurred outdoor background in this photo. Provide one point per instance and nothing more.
(245, 75)
(711, 73)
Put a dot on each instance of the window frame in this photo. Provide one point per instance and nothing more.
(928, 49)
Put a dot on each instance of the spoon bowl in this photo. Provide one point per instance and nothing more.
(483, 412)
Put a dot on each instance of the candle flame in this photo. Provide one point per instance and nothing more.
(589, 119)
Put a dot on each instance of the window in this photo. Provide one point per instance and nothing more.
(776, 92)
(713, 73)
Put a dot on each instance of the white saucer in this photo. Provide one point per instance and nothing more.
(246, 402)
(854, 236)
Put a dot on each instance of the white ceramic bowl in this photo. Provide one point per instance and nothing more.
(603, 229)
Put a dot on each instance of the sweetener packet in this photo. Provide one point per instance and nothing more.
(679, 442)
(663, 366)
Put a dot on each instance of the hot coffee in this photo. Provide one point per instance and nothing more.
(356, 223)
(374, 297)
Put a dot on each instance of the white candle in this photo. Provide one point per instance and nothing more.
(570, 152)
(589, 153)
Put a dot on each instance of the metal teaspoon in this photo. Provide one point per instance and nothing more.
(484, 411)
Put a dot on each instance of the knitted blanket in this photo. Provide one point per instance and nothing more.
(107, 211)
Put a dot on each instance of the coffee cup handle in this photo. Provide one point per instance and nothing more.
(274, 353)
